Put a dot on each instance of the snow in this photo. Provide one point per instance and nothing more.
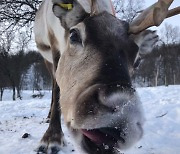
(161, 129)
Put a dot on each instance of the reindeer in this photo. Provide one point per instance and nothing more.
(91, 54)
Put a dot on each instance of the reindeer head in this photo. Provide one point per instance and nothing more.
(98, 102)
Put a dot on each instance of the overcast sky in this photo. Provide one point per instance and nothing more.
(175, 21)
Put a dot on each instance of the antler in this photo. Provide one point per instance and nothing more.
(153, 16)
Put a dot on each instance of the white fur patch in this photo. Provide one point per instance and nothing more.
(47, 55)
(104, 5)
(148, 43)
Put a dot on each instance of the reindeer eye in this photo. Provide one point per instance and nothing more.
(75, 36)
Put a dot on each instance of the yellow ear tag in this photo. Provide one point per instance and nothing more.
(66, 6)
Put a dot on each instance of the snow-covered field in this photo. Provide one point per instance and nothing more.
(161, 130)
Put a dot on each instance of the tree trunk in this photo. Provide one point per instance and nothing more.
(156, 77)
(174, 78)
(165, 80)
(14, 93)
(19, 93)
(2, 90)
(144, 81)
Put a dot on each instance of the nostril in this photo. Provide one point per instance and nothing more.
(105, 103)
(117, 100)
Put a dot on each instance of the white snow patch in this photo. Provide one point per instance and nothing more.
(161, 129)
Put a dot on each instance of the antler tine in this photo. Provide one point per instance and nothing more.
(173, 12)
(153, 16)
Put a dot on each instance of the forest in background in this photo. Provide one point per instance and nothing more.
(160, 67)
(27, 70)
(22, 68)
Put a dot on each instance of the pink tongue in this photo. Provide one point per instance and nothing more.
(95, 136)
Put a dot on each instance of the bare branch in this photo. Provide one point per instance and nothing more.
(160, 116)
(17, 13)
(127, 9)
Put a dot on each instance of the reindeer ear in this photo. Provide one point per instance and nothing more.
(69, 12)
(146, 41)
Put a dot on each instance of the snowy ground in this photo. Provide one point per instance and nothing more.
(162, 127)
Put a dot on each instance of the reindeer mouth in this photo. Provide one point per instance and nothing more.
(106, 138)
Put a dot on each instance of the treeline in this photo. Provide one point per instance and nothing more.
(27, 71)
(23, 70)
(161, 67)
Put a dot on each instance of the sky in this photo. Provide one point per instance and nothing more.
(175, 21)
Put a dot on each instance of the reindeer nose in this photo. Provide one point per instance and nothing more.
(116, 98)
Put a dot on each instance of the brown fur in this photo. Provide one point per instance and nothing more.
(54, 132)
(72, 85)
(43, 47)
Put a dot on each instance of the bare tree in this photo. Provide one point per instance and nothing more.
(161, 67)
(170, 34)
(4, 81)
(18, 13)
(22, 41)
(128, 9)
